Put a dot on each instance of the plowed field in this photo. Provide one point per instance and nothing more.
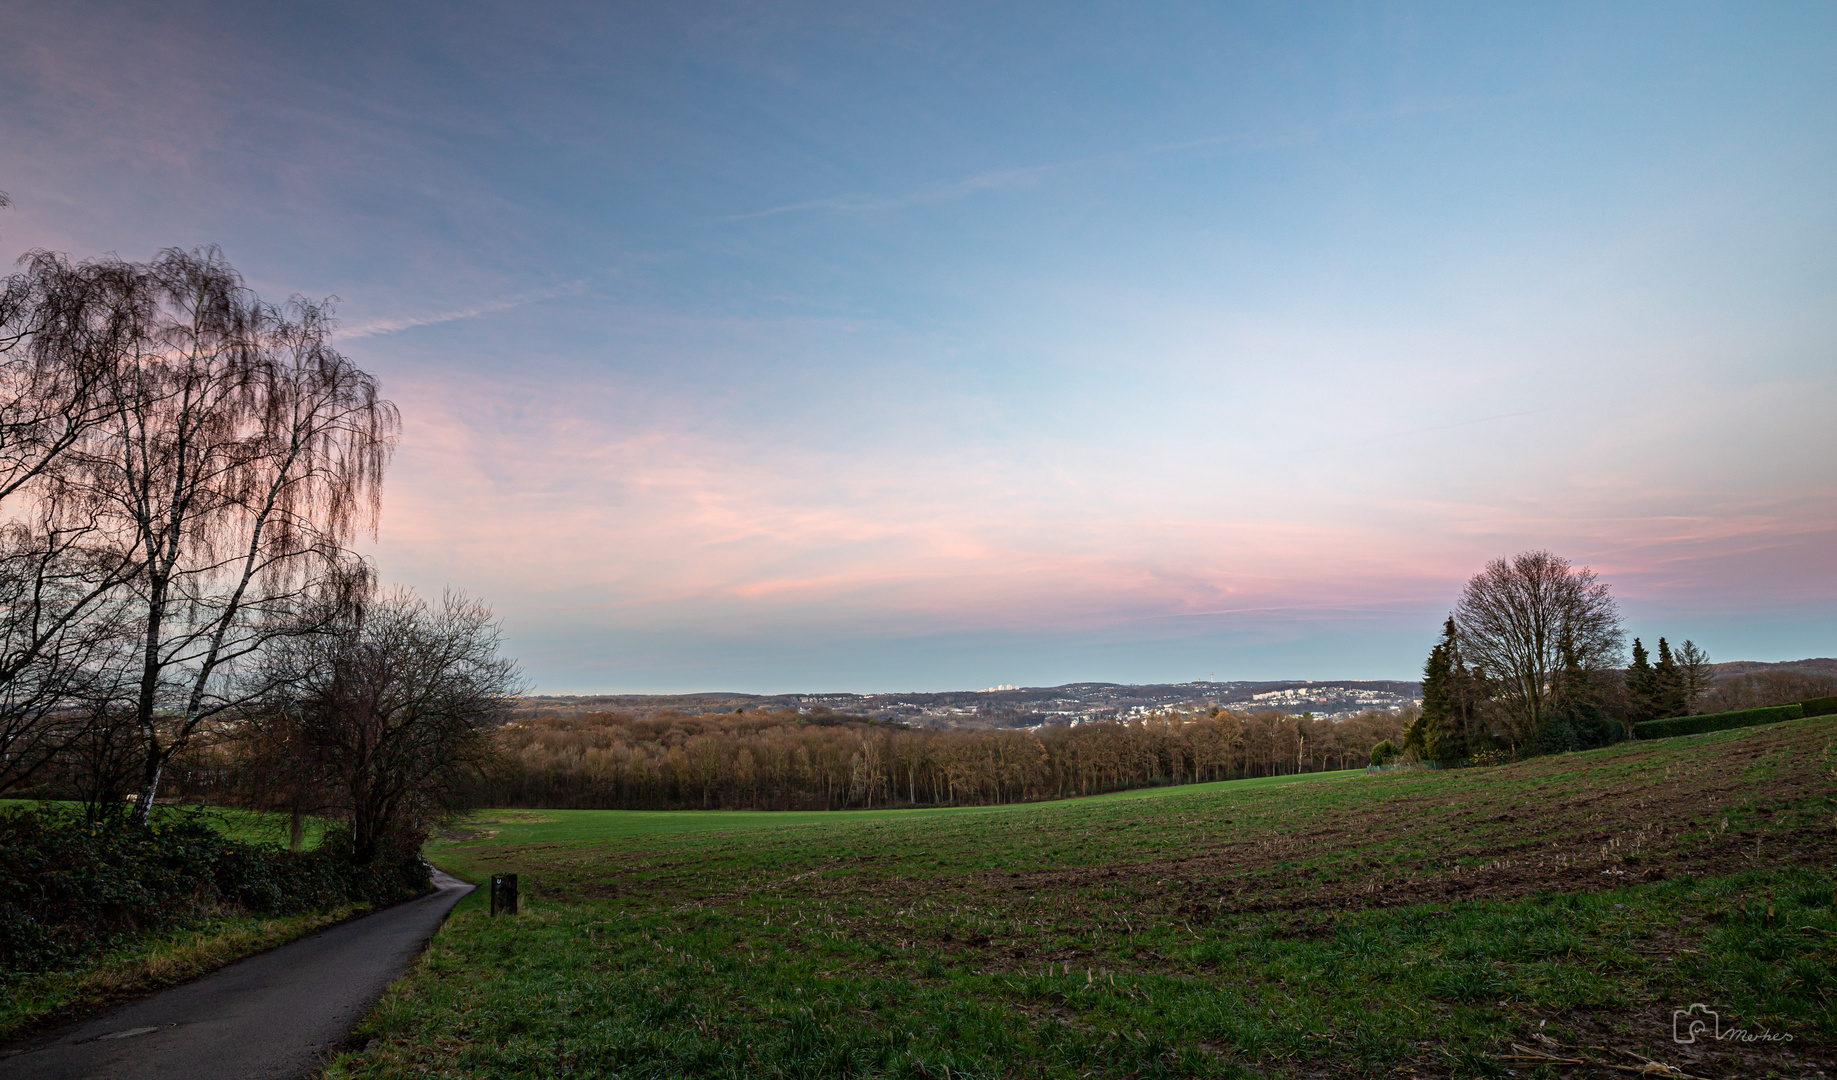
(1542, 918)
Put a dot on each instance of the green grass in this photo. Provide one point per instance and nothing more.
(499, 827)
(603, 991)
(1405, 924)
(248, 826)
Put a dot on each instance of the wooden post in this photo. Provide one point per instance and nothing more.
(503, 894)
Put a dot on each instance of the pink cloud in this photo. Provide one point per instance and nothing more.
(590, 516)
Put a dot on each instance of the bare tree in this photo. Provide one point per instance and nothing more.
(1758, 689)
(240, 455)
(61, 637)
(394, 710)
(63, 329)
(1514, 617)
(1694, 674)
(182, 468)
(99, 763)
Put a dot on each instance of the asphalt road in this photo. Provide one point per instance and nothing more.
(273, 1016)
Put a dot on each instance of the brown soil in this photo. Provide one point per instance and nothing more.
(1601, 837)
(1561, 824)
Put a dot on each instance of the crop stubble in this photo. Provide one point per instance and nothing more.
(1305, 908)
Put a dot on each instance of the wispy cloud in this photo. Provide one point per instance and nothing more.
(379, 327)
(1017, 177)
(1321, 609)
(995, 180)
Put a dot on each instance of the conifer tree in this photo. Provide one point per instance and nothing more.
(1668, 698)
(1440, 733)
(1640, 688)
(1693, 673)
(1469, 690)
(1575, 719)
(1434, 702)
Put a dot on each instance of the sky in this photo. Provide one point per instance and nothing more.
(885, 347)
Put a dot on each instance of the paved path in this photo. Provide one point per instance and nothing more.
(273, 1016)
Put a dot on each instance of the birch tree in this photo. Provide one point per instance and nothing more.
(64, 328)
(240, 456)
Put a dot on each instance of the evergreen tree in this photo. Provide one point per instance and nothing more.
(1468, 691)
(1574, 720)
(1668, 697)
(1440, 733)
(1434, 702)
(1641, 703)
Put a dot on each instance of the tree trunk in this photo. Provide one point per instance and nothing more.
(143, 806)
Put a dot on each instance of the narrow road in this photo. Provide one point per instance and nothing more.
(277, 1015)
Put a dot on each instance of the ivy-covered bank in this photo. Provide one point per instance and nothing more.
(93, 910)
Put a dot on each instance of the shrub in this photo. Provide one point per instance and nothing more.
(75, 886)
(1573, 726)
(1819, 706)
(1383, 753)
(1694, 725)
(1555, 734)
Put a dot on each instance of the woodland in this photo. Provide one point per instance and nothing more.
(785, 760)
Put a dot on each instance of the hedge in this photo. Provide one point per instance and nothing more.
(74, 887)
(1722, 721)
(1819, 706)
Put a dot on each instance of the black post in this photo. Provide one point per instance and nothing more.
(503, 894)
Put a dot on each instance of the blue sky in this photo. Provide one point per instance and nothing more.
(859, 347)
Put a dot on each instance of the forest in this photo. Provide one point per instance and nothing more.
(785, 760)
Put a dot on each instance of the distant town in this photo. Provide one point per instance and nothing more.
(1023, 707)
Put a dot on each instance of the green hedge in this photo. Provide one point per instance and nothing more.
(1819, 706)
(74, 886)
(1721, 721)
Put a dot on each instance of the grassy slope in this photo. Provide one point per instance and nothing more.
(1423, 921)
(151, 961)
(248, 826)
(502, 827)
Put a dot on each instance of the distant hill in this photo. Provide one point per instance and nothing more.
(1822, 665)
(1033, 705)
(1014, 707)
(1742, 684)
(569, 704)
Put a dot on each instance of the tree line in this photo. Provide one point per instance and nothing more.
(784, 760)
(184, 468)
(1530, 661)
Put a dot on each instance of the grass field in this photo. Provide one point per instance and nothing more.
(502, 827)
(1539, 919)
